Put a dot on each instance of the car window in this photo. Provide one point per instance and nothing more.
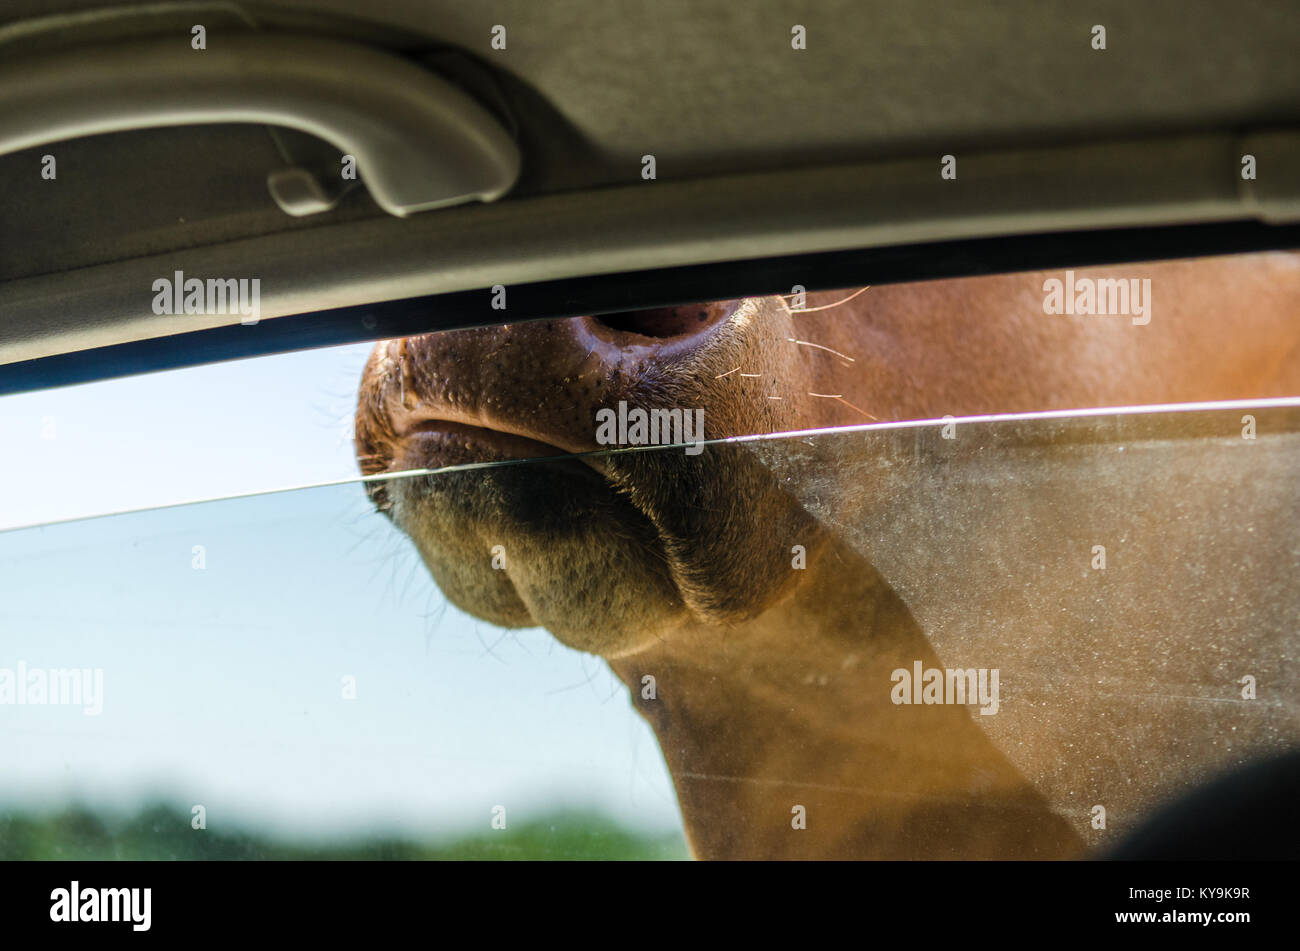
(866, 572)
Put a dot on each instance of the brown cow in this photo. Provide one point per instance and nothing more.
(774, 688)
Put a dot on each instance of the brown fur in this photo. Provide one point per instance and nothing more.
(677, 566)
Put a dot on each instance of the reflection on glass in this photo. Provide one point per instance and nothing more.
(955, 638)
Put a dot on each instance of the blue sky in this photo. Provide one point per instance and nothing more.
(223, 686)
(149, 440)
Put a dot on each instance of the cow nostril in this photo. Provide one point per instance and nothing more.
(665, 321)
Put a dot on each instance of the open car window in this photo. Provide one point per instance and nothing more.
(969, 608)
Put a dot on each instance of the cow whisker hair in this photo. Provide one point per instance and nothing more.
(840, 397)
(809, 343)
(812, 310)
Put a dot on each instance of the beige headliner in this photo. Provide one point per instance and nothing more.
(760, 149)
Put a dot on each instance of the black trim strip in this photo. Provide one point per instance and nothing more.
(642, 289)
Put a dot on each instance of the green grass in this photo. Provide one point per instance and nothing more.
(162, 832)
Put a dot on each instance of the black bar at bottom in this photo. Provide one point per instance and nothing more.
(980, 903)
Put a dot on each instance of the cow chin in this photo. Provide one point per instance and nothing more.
(611, 558)
(542, 544)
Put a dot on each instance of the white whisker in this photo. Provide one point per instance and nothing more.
(809, 343)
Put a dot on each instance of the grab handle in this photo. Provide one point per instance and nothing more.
(419, 143)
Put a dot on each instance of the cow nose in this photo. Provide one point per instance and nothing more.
(666, 324)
